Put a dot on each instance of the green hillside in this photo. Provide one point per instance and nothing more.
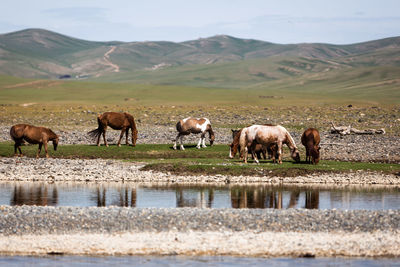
(36, 53)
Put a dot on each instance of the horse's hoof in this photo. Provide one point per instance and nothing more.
(197, 147)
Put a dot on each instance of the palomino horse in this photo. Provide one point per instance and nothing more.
(310, 139)
(33, 135)
(266, 135)
(259, 149)
(117, 121)
(194, 126)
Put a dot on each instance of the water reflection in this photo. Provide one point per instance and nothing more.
(39, 195)
(270, 197)
(126, 197)
(139, 195)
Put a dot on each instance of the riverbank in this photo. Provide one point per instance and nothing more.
(101, 170)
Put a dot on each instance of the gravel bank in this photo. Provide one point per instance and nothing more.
(125, 231)
(376, 148)
(99, 170)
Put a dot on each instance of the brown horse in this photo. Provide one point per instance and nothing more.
(195, 126)
(33, 135)
(117, 121)
(259, 149)
(310, 139)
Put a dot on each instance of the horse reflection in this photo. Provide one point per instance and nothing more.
(38, 195)
(123, 199)
(261, 198)
(203, 198)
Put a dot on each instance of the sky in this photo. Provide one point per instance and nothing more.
(277, 21)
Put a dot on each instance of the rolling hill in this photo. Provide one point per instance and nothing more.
(218, 61)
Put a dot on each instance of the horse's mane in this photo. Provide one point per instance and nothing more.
(52, 134)
(289, 140)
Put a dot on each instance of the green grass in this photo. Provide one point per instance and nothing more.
(212, 160)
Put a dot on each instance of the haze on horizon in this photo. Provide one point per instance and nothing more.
(286, 21)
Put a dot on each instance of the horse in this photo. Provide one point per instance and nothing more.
(33, 135)
(194, 126)
(117, 121)
(310, 139)
(259, 149)
(267, 135)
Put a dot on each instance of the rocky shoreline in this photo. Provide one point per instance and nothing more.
(100, 170)
(31, 230)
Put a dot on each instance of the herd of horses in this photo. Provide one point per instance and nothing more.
(254, 139)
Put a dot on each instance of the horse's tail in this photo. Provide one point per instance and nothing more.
(16, 134)
(97, 132)
(13, 133)
(179, 126)
(211, 135)
(133, 128)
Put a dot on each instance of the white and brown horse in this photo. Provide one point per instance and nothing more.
(194, 126)
(33, 135)
(267, 135)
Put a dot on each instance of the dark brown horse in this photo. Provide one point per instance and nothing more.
(310, 139)
(117, 121)
(33, 135)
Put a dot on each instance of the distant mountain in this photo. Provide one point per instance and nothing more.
(37, 53)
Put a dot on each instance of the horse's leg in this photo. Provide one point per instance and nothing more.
(181, 138)
(104, 136)
(15, 149)
(254, 153)
(120, 137)
(203, 137)
(199, 143)
(176, 141)
(279, 152)
(39, 150)
(246, 151)
(45, 149)
(126, 136)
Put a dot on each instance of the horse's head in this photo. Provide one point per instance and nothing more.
(234, 132)
(55, 142)
(295, 155)
(315, 154)
(134, 136)
(233, 150)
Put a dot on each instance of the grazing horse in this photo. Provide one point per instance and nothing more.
(259, 149)
(194, 126)
(267, 135)
(310, 139)
(117, 121)
(33, 135)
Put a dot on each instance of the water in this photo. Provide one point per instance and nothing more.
(171, 196)
(78, 261)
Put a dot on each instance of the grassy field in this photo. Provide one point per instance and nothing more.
(212, 160)
(292, 103)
